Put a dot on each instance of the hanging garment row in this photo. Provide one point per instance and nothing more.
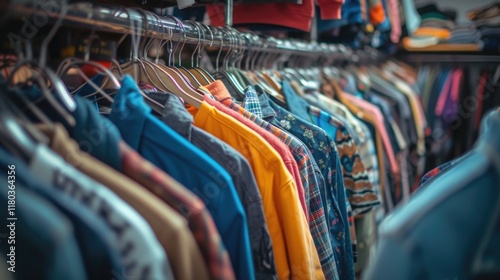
(459, 100)
(455, 99)
(253, 171)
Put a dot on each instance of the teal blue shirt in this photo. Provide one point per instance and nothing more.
(190, 166)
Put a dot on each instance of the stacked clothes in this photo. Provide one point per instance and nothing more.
(487, 21)
(465, 33)
(436, 25)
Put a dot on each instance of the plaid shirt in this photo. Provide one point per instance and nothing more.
(316, 215)
(185, 203)
(325, 153)
(251, 102)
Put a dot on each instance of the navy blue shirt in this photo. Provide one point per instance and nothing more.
(190, 166)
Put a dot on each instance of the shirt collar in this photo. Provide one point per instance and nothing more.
(267, 111)
(129, 112)
(295, 103)
(176, 116)
(218, 90)
(95, 134)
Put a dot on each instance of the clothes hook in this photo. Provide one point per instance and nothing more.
(46, 41)
(220, 49)
(198, 30)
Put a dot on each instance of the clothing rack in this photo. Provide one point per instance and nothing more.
(114, 19)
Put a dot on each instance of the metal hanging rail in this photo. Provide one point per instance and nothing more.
(117, 20)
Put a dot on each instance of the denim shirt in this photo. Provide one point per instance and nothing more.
(326, 156)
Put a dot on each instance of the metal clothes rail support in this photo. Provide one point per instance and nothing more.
(114, 19)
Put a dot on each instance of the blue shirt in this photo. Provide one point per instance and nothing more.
(186, 163)
(93, 133)
(450, 229)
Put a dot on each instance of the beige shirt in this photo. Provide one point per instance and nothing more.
(169, 227)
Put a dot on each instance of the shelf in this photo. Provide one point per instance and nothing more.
(449, 57)
(443, 47)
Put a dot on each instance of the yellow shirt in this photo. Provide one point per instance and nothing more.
(293, 246)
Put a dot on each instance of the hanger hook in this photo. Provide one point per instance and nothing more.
(198, 44)
(149, 42)
(202, 46)
(220, 49)
(183, 36)
(230, 51)
(48, 38)
(183, 32)
(170, 46)
(135, 38)
(161, 42)
(237, 48)
(153, 39)
(143, 39)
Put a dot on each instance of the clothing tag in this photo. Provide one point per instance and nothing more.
(102, 50)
